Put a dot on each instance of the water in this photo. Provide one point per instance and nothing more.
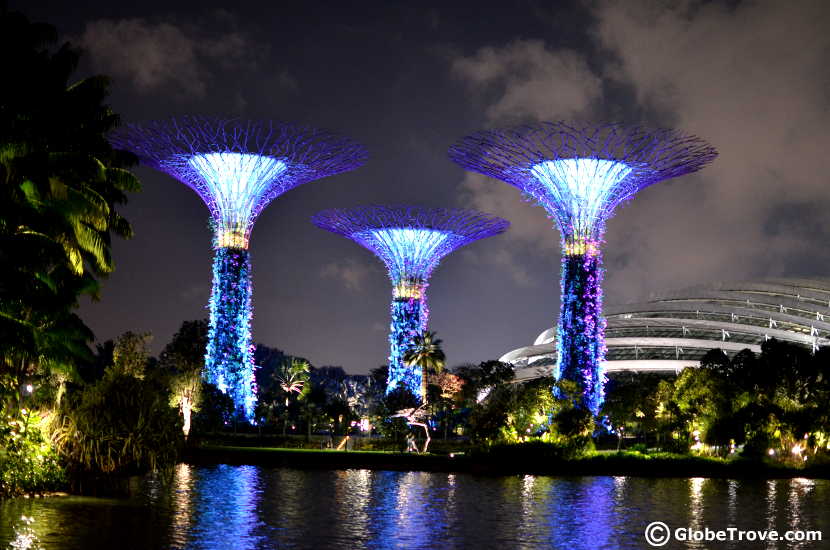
(248, 507)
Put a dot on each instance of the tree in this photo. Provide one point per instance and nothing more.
(479, 379)
(425, 352)
(703, 396)
(442, 392)
(313, 399)
(182, 362)
(131, 354)
(398, 399)
(292, 378)
(489, 416)
(631, 403)
(60, 184)
(215, 411)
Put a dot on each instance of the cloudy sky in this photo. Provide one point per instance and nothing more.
(407, 79)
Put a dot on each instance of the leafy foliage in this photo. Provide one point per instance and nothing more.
(398, 399)
(60, 185)
(769, 405)
(215, 410)
(120, 425)
(181, 363)
(28, 464)
(425, 352)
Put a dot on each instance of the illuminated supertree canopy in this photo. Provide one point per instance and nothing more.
(410, 241)
(237, 167)
(579, 175)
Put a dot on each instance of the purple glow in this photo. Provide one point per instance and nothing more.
(579, 176)
(237, 167)
(410, 241)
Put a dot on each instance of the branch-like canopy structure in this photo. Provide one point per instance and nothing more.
(410, 240)
(238, 166)
(580, 174)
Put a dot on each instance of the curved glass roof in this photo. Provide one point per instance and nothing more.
(676, 329)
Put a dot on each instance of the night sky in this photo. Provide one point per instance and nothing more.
(407, 80)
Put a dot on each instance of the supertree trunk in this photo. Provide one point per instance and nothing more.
(229, 360)
(409, 318)
(581, 329)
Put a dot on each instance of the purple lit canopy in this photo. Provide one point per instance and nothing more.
(410, 240)
(238, 166)
(580, 174)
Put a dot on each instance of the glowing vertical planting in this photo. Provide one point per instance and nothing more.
(237, 167)
(579, 176)
(410, 241)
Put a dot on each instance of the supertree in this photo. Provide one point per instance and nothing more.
(410, 241)
(237, 167)
(579, 175)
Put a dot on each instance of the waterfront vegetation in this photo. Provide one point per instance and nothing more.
(73, 417)
(122, 416)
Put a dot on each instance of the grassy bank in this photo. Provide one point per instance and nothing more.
(505, 462)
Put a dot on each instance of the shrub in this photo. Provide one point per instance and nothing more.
(639, 448)
(28, 464)
(118, 426)
(539, 450)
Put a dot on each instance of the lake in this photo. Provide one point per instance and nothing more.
(248, 507)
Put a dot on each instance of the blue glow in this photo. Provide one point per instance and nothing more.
(409, 318)
(410, 241)
(581, 329)
(408, 253)
(580, 193)
(239, 184)
(229, 361)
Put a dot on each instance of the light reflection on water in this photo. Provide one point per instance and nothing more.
(250, 507)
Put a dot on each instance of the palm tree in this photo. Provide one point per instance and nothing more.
(425, 352)
(292, 377)
(60, 184)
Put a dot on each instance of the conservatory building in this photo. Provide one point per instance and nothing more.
(674, 330)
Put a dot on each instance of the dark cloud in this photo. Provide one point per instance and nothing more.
(531, 80)
(154, 55)
(349, 271)
(752, 80)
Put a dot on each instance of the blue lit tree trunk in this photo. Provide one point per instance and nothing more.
(229, 360)
(581, 330)
(409, 318)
